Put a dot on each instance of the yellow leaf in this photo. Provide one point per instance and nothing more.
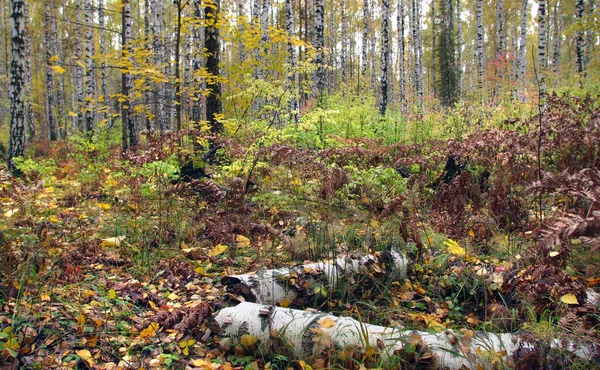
(112, 294)
(150, 331)
(45, 297)
(304, 365)
(242, 241)
(104, 206)
(53, 219)
(81, 64)
(54, 58)
(199, 363)
(10, 212)
(554, 254)
(569, 299)
(72, 114)
(454, 248)
(86, 356)
(187, 343)
(58, 69)
(285, 303)
(326, 322)
(248, 340)
(112, 242)
(471, 233)
(219, 249)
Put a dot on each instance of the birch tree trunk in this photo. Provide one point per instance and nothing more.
(459, 46)
(319, 46)
(309, 334)
(241, 22)
(214, 106)
(16, 146)
(293, 82)
(590, 33)
(522, 52)
(401, 57)
(385, 56)
(418, 52)
(50, 111)
(90, 71)
(197, 64)
(102, 43)
(344, 56)
(542, 52)
(434, 50)
(79, 80)
(128, 128)
(580, 42)
(556, 37)
(60, 97)
(500, 19)
(159, 60)
(365, 40)
(29, 113)
(479, 52)
(447, 58)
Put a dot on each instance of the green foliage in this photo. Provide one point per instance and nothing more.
(44, 168)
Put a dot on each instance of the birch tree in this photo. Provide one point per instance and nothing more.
(319, 46)
(50, 106)
(78, 73)
(344, 56)
(542, 56)
(401, 56)
(500, 18)
(385, 56)
(90, 71)
(447, 61)
(102, 44)
(459, 46)
(479, 51)
(556, 36)
(197, 63)
(293, 82)
(580, 42)
(159, 60)
(16, 146)
(29, 113)
(522, 52)
(590, 32)
(365, 39)
(128, 124)
(417, 40)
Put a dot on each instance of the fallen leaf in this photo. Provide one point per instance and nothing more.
(150, 331)
(10, 212)
(569, 299)
(326, 322)
(112, 242)
(218, 250)
(454, 248)
(554, 254)
(242, 241)
(248, 340)
(86, 356)
(104, 206)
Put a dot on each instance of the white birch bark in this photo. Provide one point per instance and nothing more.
(459, 46)
(556, 36)
(293, 81)
(159, 63)
(16, 94)
(345, 40)
(590, 32)
(500, 42)
(365, 40)
(385, 56)
(50, 107)
(102, 43)
(580, 42)
(30, 114)
(79, 79)
(522, 52)
(90, 71)
(198, 62)
(128, 129)
(401, 56)
(542, 52)
(319, 46)
(479, 52)
(418, 52)
(311, 333)
(272, 286)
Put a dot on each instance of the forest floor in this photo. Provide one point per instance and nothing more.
(111, 260)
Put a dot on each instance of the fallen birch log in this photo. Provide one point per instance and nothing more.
(308, 335)
(273, 286)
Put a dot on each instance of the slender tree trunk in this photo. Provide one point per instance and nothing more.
(479, 51)
(522, 52)
(197, 64)
(447, 61)
(90, 71)
(418, 52)
(385, 56)
(542, 52)
(214, 107)
(459, 60)
(556, 37)
(365, 40)
(590, 33)
(30, 114)
(178, 100)
(344, 56)
(50, 111)
(241, 22)
(319, 46)
(401, 56)
(59, 97)
(128, 128)
(16, 146)
(434, 49)
(159, 60)
(580, 42)
(293, 62)
(79, 122)
(500, 44)
(102, 43)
